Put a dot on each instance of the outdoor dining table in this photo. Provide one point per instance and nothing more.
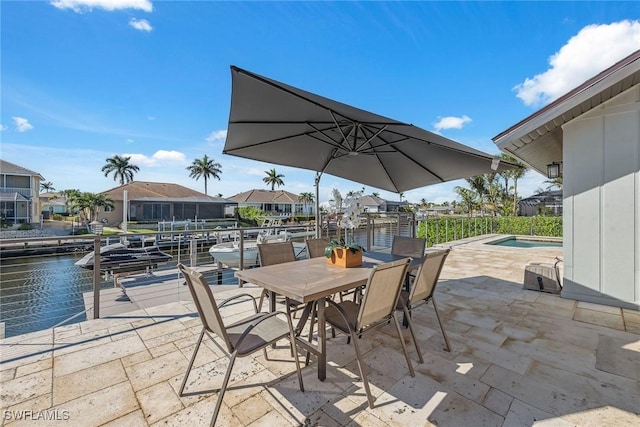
(311, 280)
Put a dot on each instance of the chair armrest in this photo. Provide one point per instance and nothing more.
(253, 300)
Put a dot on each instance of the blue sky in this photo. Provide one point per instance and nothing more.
(84, 80)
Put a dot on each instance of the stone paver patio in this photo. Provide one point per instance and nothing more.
(518, 358)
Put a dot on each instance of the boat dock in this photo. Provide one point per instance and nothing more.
(141, 290)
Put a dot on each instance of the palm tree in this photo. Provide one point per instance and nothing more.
(121, 168)
(273, 178)
(468, 197)
(478, 184)
(555, 182)
(90, 204)
(514, 174)
(47, 186)
(306, 198)
(69, 197)
(206, 168)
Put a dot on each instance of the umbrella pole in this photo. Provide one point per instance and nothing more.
(318, 228)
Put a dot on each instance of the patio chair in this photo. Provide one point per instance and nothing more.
(316, 247)
(408, 246)
(422, 291)
(276, 253)
(376, 308)
(240, 339)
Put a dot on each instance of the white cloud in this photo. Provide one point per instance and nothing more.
(140, 24)
(22, 124)
(80, 6)
(594, 49)
(451, 122)
(130, 141)
(217, 135)
(3, 128)
(151, 117)
(159, 158)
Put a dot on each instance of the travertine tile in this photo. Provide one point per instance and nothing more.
(534, 391)
(619, 356)
(34, 367)
(498, 402)
(602, 318)
(80, 383)
(582, 305)
(521, 414)
(25, 387)
(153, 371)
(93, 356)
(199, 414)
(101, 406)
(158, 401)
(252, 409)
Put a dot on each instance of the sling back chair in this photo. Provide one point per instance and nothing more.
(241, 338)
(376, 308)
(422, 291)
(316, 247)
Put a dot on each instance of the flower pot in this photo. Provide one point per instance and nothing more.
(345, 258)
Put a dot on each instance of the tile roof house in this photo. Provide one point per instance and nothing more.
(593, 131)
(19, 188)
(159, 201)
(273, 201)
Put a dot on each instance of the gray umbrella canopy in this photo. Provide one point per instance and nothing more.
(280, 124)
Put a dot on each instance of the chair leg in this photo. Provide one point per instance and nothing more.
(294, 349)
(263, 295)
(444, 335)
(193, 358)
(225, 383)
(314, 314)
(363, 374)
(404, 347)
(413, 335)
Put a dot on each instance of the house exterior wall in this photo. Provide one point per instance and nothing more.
(601, 160)
(28, 186)
(159, 211)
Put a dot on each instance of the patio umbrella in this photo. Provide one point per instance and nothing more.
(280, 124)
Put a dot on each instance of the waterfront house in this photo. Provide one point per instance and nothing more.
(546, 202)
(591, 137)
(19, 187)
(161, 201)
(273, 202)
(53, 203)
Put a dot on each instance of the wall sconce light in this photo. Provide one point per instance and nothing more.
(554, 170)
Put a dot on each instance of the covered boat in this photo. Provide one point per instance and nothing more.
(228, 253)
(117, 258)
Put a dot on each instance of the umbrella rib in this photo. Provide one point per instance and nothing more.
(411, 159)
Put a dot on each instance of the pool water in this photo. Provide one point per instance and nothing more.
(522, 243)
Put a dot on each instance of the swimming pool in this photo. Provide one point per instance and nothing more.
(517, 242)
